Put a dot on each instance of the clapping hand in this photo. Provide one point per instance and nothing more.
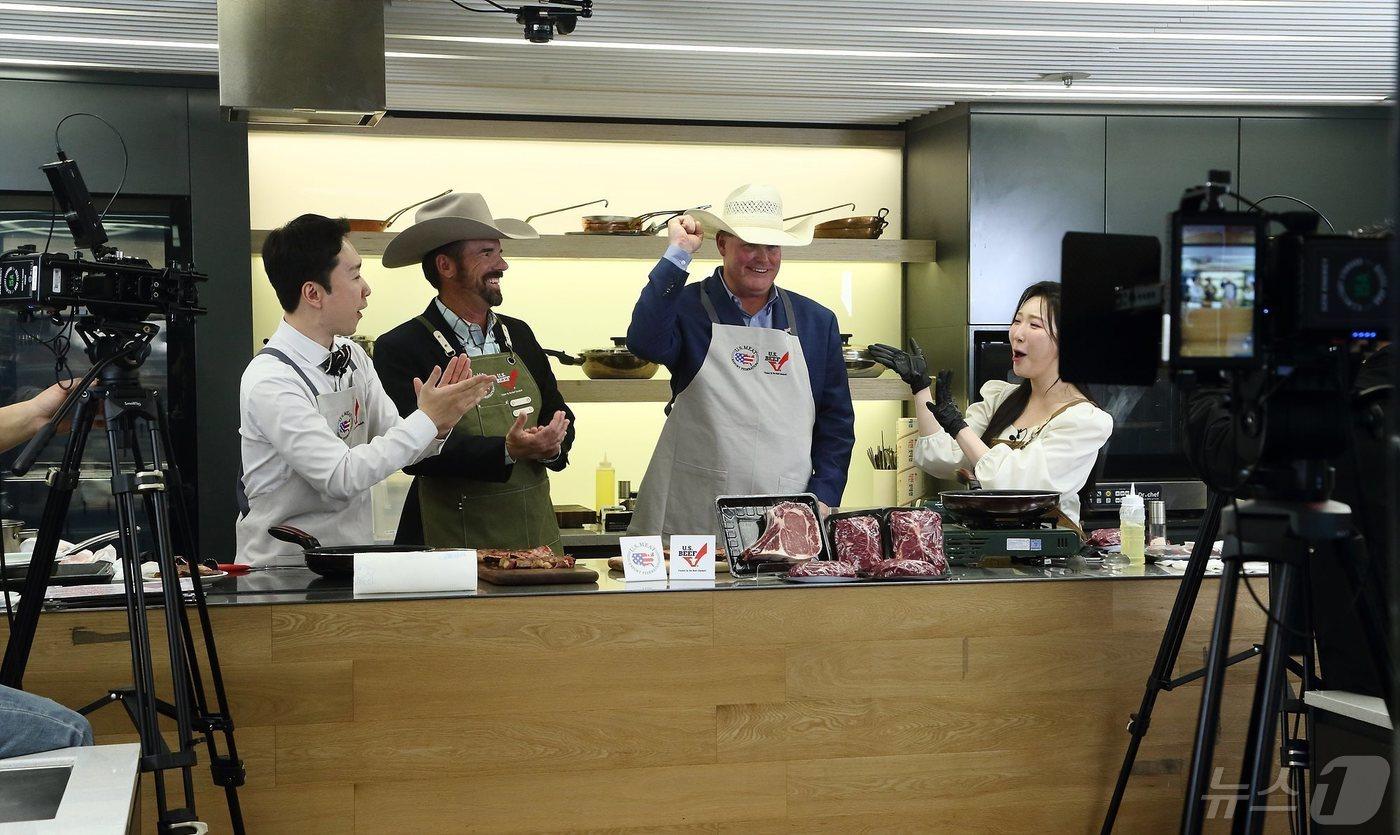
(536, 443)
(449, 392)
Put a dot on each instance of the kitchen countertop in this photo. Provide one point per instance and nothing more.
(299, 585)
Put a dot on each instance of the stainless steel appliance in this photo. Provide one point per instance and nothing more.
(153, 228)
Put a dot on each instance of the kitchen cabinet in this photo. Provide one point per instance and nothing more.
(1032, 179)
(743, 708)
(1144, 175)
(1341, 166)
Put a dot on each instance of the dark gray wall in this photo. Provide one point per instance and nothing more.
(935, 207)
(1033, 177)
(178, 147)
(1341, 166)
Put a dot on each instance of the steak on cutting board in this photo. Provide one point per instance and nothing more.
(790, 535)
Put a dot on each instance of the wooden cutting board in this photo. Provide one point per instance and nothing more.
(536, 576)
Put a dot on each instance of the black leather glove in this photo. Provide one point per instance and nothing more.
(945, 411)
(911, 367)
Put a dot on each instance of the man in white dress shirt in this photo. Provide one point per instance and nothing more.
(316, 427)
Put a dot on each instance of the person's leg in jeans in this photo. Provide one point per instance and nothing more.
(30, 724)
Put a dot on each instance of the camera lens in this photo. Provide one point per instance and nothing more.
(539, 31)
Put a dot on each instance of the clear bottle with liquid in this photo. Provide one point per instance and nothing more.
(1132, 527)
(604, 481)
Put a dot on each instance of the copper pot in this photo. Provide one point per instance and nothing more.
(614, 363)
(359, 224)
(624, 225)
(863, 226)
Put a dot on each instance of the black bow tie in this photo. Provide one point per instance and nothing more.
(338, 362)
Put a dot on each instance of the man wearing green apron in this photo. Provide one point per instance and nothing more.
(489, 487)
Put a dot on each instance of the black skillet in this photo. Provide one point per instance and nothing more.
(335, 560)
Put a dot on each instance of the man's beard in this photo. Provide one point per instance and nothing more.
(491, 295)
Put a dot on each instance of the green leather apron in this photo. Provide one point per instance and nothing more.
(461, 512)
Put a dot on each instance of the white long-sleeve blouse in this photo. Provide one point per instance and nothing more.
(1059, 455)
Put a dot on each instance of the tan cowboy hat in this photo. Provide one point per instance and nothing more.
(452, 217)
(754, 214)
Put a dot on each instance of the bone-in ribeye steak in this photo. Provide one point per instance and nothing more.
(791, 535)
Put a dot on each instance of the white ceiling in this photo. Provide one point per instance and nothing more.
(814, 61)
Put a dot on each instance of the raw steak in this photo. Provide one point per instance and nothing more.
(823, 568)
(907, 568)
(790, 535)
(1104, 537)
(857, 539)
(917, 535)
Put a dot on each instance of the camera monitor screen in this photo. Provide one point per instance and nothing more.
(1217, 268)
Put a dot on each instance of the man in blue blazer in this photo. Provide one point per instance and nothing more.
(760, 402)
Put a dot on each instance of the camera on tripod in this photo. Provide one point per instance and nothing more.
(110, 285)
(1240, 299)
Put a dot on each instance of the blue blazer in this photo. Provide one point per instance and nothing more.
(670, 326)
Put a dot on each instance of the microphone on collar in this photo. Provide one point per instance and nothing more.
(338, 362)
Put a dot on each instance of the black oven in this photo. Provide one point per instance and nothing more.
(1145, 448)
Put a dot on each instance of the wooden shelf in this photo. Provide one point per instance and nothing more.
(885, 250)
(659, 391)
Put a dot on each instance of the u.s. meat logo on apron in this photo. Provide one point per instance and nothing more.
(745, 357)
(777, 363)
(345, 425)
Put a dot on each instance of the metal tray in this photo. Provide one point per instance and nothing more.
(741, 523)
(820, 581)
(912, 578)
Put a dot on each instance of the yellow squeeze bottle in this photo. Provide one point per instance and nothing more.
(1132, 527)
(604, 483)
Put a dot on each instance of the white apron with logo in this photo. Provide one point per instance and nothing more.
(296, 502)
(743, 426)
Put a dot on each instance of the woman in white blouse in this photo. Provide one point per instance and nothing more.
(1041, 434)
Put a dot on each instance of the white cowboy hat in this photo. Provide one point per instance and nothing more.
(452, 217)
(754, 214)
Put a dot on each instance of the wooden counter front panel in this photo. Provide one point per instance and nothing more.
(977, 707)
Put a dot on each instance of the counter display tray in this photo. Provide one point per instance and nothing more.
(536, 576)
(821, 581)
(910, 578)
(741, 522)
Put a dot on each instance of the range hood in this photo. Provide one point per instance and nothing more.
(302, 62)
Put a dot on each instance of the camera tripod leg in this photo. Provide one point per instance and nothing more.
(1167, 653)
(226, 770)
(1203, 747)
(63, 480)
(1264, 717)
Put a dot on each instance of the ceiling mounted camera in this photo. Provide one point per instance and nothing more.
(543, 20)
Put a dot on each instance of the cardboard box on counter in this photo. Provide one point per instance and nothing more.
(911, 486)
(904, 450)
